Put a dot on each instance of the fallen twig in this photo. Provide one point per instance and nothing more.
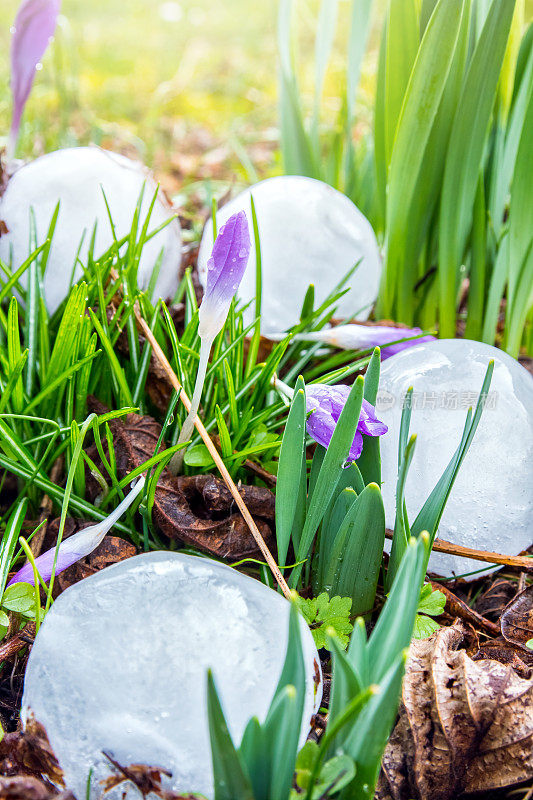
(17, 642)
(442, 546)
(215, 455)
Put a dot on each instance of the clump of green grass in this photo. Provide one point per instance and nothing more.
(442, 175)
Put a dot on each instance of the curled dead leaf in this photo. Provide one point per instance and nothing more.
(464, 725)
(198, 511)
(25, 787)
(29, 752)
(10, 647)
(517, 620)
(210, 523)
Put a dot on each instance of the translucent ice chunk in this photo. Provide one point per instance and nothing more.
(309, 233)
(491, 503)
(76, 177)
(120, 665)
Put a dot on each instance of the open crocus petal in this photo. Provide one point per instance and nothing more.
(324, 406)
(369, 424)
(77, 546)
(225, 269)
(33, 28)
(363, 337)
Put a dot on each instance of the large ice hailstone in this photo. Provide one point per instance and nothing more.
(309, 233)
(491, 503)
(76, 177)
(120, 666)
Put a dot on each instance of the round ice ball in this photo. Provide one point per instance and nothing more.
(309, 233)
(491, 504)
(120, 665)
(77, 177)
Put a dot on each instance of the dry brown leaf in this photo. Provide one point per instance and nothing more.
(464, 725)
(29, 752)
(199, 511)
(517, 620)
(500, 650)
(25, 787)
(147, 779)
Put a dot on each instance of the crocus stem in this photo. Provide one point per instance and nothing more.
(12, 144)
(187, 429)
(282, 387)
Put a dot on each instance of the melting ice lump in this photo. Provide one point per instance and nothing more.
(120, 665)
(309, 233)
(76, 177)
(491, 503)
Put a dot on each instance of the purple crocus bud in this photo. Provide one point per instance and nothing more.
(325, 404)
(225, 269)
(78, 546)
(364, 337)
(33, 28)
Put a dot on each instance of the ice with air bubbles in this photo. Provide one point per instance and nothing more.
(119, 666)
(78, 178)
(491, 503)
(308, 233)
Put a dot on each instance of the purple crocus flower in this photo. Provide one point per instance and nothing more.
(33, 28)
(78, 546)
(364, 337)
(225, 269)
(325, 404)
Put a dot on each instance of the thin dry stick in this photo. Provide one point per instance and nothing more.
(215, 455)
(442, 546)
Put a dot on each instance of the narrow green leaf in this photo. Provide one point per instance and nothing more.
(394, 627)
(10, 539)
(329, 474)
(290, 471)
(465, 153)
(421, 104)
(230, 779)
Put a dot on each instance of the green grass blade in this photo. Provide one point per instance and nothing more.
(465, 153)
(421, 104)
(330, 471)
(356, 571)
(289, 472)
(10, 539)
(229, 777)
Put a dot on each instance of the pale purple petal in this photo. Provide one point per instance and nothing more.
(354, 336)
(229, 258)
(71, 550)
(382, 334)
(225, 270)
(369, 424)
(365, 337)
(324, 407)
(79, 545)
(33, 28)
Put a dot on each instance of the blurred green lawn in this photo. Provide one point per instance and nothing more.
(148, 72)
(171, 79)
